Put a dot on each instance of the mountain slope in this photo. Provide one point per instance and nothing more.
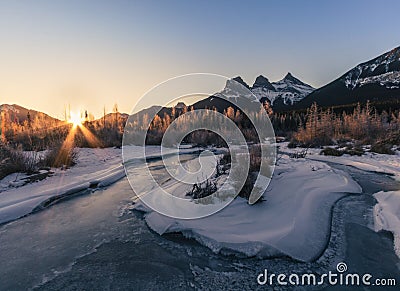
(374, 80)
(18, 114)
(283, 93)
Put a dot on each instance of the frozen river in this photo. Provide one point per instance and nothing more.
(94, 242)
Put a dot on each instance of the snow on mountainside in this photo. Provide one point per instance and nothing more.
(384, 70)
(234, 89)
(6, 107)
(289, 89)
(377, 80)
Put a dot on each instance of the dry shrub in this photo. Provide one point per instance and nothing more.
(382, 148)
(354, 150)
(201, 190)
(257, 166)
(60, 156)
(331, 152)
(14, 161)
(324, 127)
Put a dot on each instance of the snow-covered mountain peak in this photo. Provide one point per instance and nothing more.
(240, 81)
(290, 78)
(9, 108)
(383, 70)
(235, 88)
(263, 82)
(289, 90)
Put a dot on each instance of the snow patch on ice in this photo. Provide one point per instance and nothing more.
(294, 220)
(387, 215)
(379, 163)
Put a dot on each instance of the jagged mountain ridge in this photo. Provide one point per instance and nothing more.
(287, 91)
(384, 69)
(376, 80)
(18, 114)
(281, 95)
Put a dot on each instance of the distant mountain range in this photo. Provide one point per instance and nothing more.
(18, 114)
(281, 95)
(377, 80)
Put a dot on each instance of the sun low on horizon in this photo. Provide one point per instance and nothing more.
(75, 119)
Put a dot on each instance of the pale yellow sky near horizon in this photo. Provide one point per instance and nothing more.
(83, 96)
(91, 54)
(52, 87)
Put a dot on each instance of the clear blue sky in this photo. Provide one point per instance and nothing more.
(95, 53)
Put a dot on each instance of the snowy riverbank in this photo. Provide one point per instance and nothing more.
(369, 161)
(294, 219)
(94, 168)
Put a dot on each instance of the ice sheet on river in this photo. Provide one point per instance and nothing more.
(95, 168)
(294, 220)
